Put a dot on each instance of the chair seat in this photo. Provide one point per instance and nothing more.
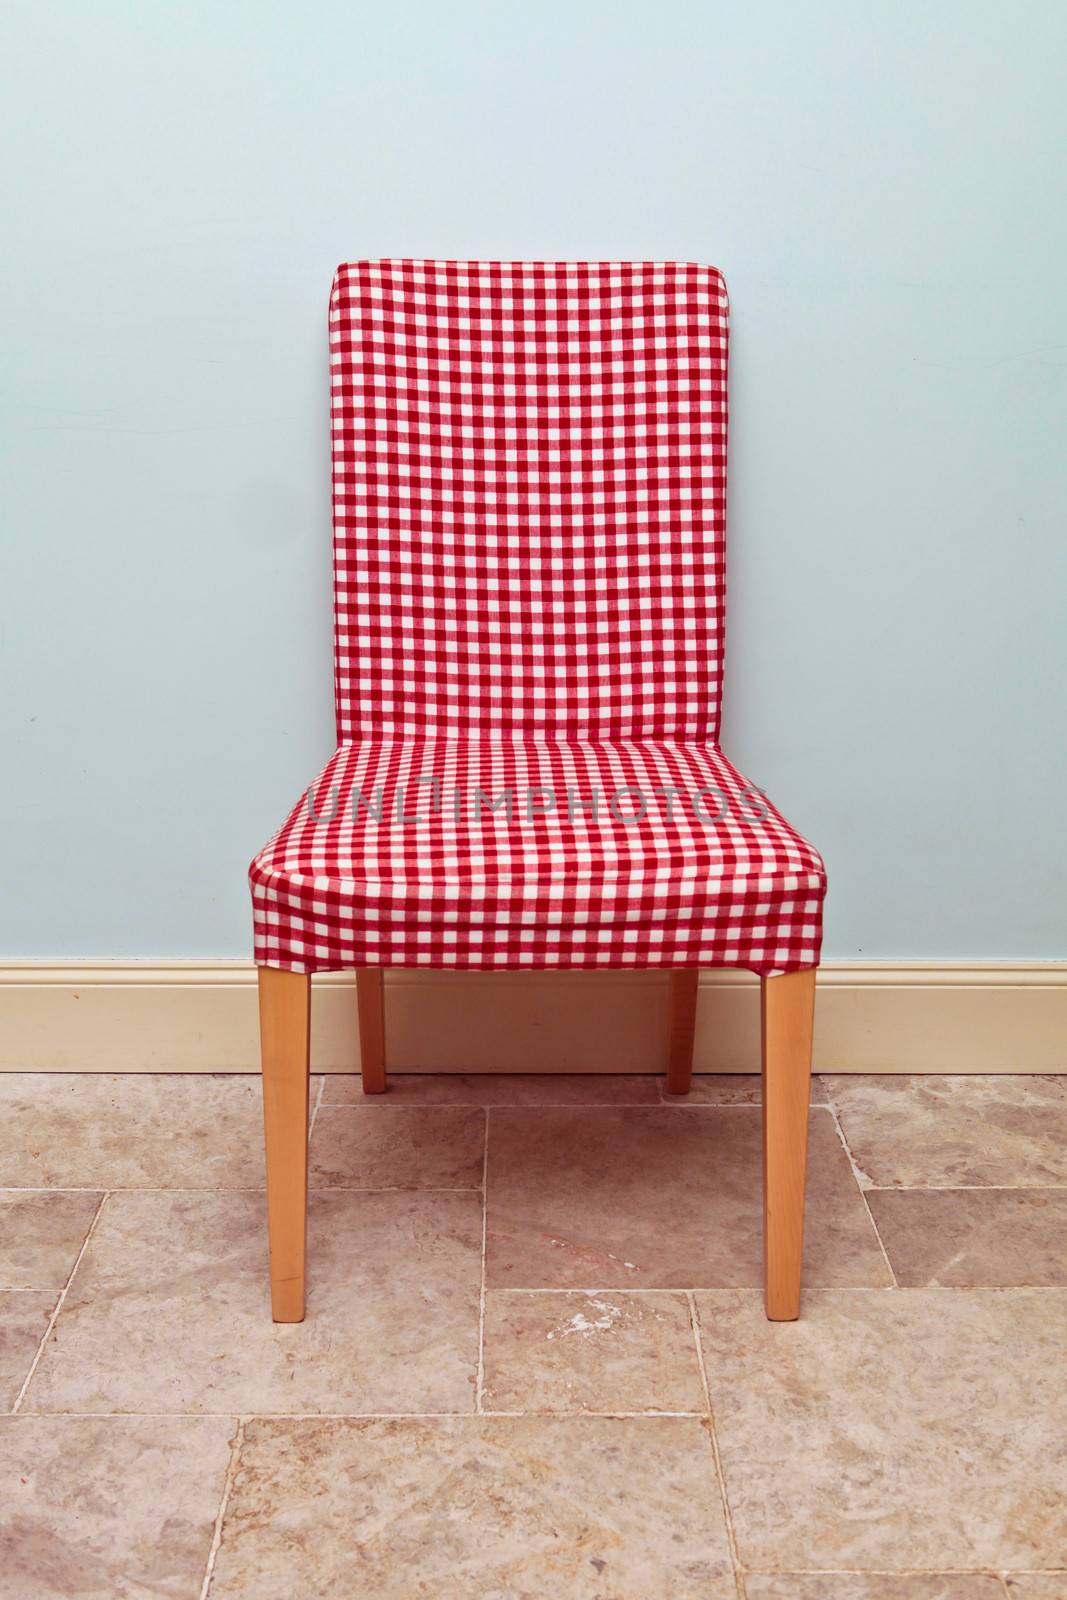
(518, 851)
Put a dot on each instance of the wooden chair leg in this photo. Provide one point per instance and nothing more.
(370, 1001)
(285, 1036)
(683, 1023)
(787, 1006)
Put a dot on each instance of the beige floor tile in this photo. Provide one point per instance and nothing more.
(169, 1308)
(866, 1586)
(478, 1508)
(115, 1509)
(137, 1130)
(967, 1237)
(729, 1089)
(953, 1131)
(590, 1352)
(40, 1236)
(1037, 1585)
(502, 1089)
(406, 1147)
(921, 1428)
(637, 1198)
(23, 1323)
(716, 1089)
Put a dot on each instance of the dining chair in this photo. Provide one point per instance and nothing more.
(529, 483)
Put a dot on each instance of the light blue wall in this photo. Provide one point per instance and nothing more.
(881, 185)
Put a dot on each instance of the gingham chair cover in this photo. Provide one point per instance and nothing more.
(529, 469)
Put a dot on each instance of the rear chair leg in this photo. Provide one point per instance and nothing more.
(370, 1002)
(787, 1006)
(683, 1023)
(285, 1025)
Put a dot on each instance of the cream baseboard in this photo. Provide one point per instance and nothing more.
(201, 1016)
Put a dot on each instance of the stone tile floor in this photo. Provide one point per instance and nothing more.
(535, 1362)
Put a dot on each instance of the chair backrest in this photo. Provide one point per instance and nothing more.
(529, 467)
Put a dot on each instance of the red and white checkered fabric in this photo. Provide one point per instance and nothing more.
(529, 472)
(529, 465)
(492, 850)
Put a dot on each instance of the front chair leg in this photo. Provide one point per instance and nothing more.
(787, 1007)
(285, 1028)
(683, 1025)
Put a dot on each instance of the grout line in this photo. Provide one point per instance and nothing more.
(681, 1102)
(253, 1188)
(644, 1416)
(893, 1284)
(22, 1289)
(479, 1391)
(258, 1188)
(501, 1105)
(694, 1323)
(910, 1572)
(620, 1289)
(394, 1188)
(51, 1188)
(143, 1188)
(352, 1416)
(964, 1188)
(632, 1416)
(676, 1102)
(625, 1290)
(227, 1486)
(488, 1103)
(315, 1109)
(57, 1308)
(378, 1102)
